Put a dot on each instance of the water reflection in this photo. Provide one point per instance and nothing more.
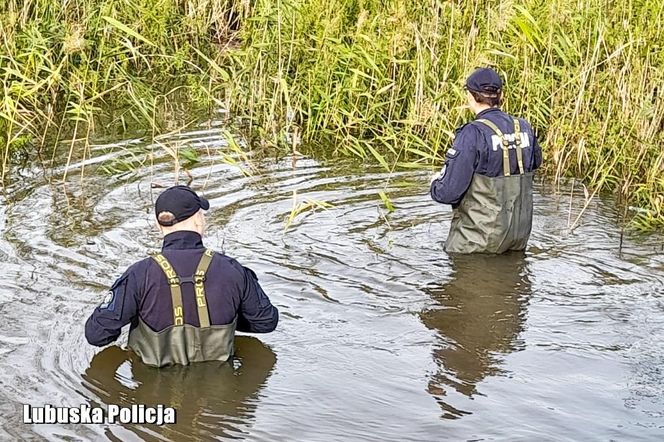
(479, 315)
(213, 400)
(348, 282)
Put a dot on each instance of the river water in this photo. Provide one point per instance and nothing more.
(382, 335)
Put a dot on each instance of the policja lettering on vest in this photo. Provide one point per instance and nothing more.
(488, 174)
(185, 303)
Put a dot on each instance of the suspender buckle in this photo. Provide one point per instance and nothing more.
(175, 283)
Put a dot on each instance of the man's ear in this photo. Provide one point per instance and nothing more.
(471, 99)
(159, 226)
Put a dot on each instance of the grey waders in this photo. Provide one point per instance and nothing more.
(495, 215)
(183, 343)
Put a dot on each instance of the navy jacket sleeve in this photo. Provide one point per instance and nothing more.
(257, 314)
(460, 163)
(105, 324)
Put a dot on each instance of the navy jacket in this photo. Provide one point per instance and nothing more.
(230, 289)
(476, 149)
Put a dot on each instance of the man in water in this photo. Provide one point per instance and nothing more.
(185, 303)
(488, 174)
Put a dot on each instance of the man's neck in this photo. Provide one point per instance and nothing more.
(481, 107)
(165, 232)
(182, 239)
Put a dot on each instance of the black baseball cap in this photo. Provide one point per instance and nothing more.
(485, 81)
(180, 201)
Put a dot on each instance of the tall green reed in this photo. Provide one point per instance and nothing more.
(382, 80)
(68, 67)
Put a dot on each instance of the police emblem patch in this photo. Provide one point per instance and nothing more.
(108, 299)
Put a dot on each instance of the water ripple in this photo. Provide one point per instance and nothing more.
(382, 336)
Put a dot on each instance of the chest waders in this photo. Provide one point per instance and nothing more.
(496, 213)
(184, 343)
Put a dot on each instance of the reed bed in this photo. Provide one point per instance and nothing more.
(383, 80)
(378, 79)
(73, 68)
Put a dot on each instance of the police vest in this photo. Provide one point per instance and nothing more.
(184, 343)
(495, 215)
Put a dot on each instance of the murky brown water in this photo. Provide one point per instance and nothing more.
(382, 335)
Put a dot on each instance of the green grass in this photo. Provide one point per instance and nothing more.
(380, 80)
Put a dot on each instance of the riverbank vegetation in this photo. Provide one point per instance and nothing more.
(381, 80)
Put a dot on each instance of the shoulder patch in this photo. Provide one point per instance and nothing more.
(114, 298)
(108, 300)
(451, 153)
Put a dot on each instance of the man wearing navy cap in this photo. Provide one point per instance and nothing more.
(488, 174)
(185, 303)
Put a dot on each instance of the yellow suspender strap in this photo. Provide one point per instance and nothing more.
(504, 143)
(174, 283)
(517, 143)
(199, 278)
(176, 291)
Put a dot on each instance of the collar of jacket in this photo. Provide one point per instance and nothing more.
(487, 111)
(183, 239)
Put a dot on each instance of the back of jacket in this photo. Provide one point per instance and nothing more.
(142, 296)
(489, 145)
(477, 150)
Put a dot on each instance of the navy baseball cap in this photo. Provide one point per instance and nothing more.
(181, 202)
(485, 81)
